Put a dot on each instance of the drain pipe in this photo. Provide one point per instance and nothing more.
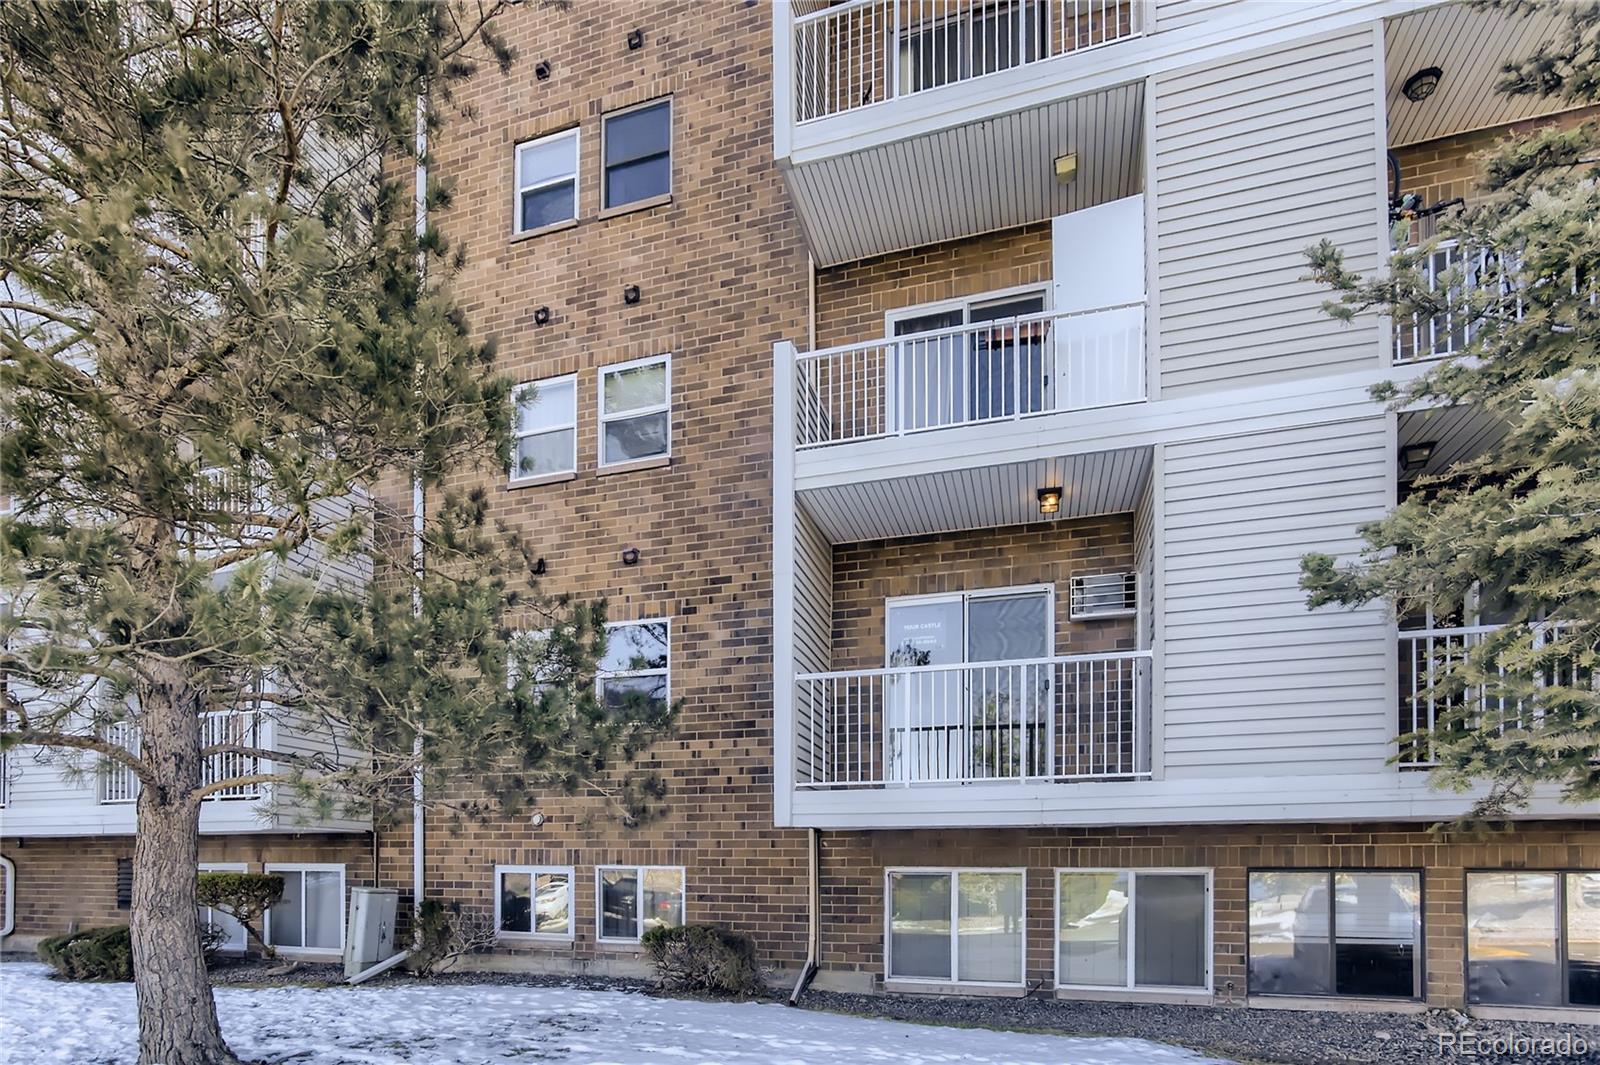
(814, 925)
(418, 822)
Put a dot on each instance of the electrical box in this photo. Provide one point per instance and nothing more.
(371, 934)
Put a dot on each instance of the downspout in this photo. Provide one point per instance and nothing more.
(811, 302)
(814, 924)
(418, 822)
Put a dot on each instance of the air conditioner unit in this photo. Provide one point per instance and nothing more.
(1103, 595)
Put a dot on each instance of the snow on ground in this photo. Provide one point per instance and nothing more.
(44, 1020)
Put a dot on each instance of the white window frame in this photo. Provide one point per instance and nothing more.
(1128, 983)
(965, 598)
(954, 872)
(964, 304)
(602, 416)
(518, 188)
(638, 900)
(672, 153)
(534, 872)
(210, 911)
(604, 675)
(344, 906)
(515, 475)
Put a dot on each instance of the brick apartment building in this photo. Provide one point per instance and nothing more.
(932, 389)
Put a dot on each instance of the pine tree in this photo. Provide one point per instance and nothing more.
(224, 342)
(1520, 523)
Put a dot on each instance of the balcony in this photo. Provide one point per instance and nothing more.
(248, 728)
(1047, 720)
(1477, 288)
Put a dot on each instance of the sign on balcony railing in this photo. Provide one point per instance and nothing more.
(854, 54)
(241, 728)
(962, 375)
(1081, 717)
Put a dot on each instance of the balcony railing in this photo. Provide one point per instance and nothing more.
(1072, 718)
(1429, 701)
(243, 728)
(963, 375)
(862, 52)
(1465, 276)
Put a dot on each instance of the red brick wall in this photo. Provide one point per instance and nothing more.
(1449, 167)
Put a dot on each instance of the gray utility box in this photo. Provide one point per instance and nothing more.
(371, 937)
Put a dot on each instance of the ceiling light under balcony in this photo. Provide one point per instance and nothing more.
(1414, 457)
(1049, 500)
(1421, 85)
(1066, 167)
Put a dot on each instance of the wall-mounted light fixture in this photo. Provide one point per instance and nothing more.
(635, 40)
(1415, 457)
(539, 568)
(541, 70)
(537, 819)
(1049, 500)
(1421, 85)
(1066, 167)
(541, 316)
(630, 556)
(630, 294)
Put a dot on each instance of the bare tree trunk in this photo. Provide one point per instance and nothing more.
(177, 1015)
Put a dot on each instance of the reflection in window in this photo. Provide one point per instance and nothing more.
(1132, 928)
(535, 901)
(310, 915)
(1092, 929)
(1517, 924)
(960, 925)
(635, 899)
(1335, 933)
(635, 664)
(635, 411)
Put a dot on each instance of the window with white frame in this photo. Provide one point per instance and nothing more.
(532, 900)
(636, 410)
(638, 153)
(956, 925)
(634, 899)
(636, 663)
(226, 923)
(1133, 928)
(1335, 932)
(546, 434)
(310, 916)
(547, 181)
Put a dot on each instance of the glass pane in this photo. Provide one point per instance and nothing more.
(630, 182)
(989, 927)
(636, 134)
(1375, 920)
(635, 388)
(636, 645)
(285, 913)
(619, 889)
(1289, 934)
(1170, 918)
(636, 438)
(616, 691)
(927, 709)
(545, 453)
(548, 160)
(1583, 938)
(545, 405)
(324, 910)
(924, 323)
(1511, 939)
(1092, 929)
(919, 925)
(1011, 308)
(516, 900)
(1006, 628)
(663, 898)
(550, 903)
(549, 205)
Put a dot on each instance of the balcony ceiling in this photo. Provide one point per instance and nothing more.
(971, 179)
(1104, 482)
(1457, 433)
(1469, 46)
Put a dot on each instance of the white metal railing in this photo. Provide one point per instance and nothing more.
(979, 372)
(243, 728)
(1071, 718)
(1465, 276)
(862, 52)
(1428, 659)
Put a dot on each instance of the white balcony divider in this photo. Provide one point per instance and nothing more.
(998, 370)
(244, 728)
(1069, 718)
(1427, 659)
(862, 52)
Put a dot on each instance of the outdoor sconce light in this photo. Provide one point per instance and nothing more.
(1421, 85)
(1414, 457)
(1049, 500)
(635, 40)
(630, 556)
(541, 316)
(539, 568)
(541, 70)
(537, 819)
(1066, 167)
(630, 294)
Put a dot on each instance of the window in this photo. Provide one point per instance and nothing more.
(971, 360)
(635, 663)
(217, 918)
(635, 899)
(1129, 928)
(547, 181)
(1533, 938)
(547, 429)
(1335, 933)
(638, 153)
(636, 410)
(310, 916)
(533, 901)
(956, 925)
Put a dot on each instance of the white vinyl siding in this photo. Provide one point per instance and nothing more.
(1178, 14)
(1255, 159)
(1255, 683)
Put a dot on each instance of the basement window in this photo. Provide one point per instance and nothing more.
(957, 926)
(635, 899)
(1533, 938)
(310, 916)
(1133, 928)
(533, 901)
(1336, 933)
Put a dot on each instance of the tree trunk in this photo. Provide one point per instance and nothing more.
(177, 1015)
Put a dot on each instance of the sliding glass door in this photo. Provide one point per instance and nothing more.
(971, 362)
